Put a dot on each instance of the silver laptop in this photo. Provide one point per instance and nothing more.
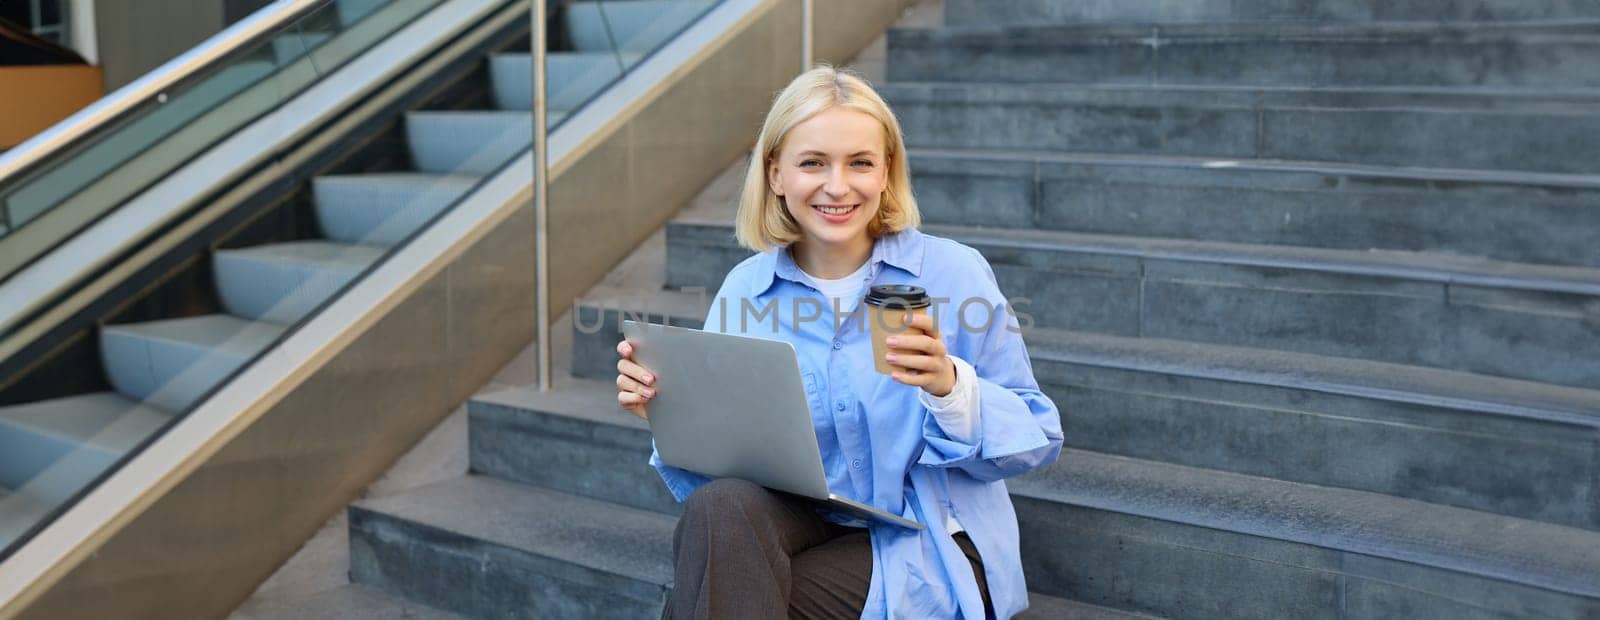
(734, 407)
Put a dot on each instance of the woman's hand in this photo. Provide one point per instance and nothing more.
(635, 385)
(922, 356)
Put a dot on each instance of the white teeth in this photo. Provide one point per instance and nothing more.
(835, 210)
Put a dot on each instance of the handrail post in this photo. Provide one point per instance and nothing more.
(541, 198)
(807, 34)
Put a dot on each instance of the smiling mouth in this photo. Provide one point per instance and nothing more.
(834, 210)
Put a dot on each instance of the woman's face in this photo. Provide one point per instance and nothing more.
(831, 173)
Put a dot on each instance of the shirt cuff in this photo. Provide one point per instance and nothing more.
(956, 412)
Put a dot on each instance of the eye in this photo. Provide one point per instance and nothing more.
(810, 162)
(862, 163)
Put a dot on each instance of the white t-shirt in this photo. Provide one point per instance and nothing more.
(843, 293)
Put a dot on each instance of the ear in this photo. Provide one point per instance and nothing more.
(773, 182)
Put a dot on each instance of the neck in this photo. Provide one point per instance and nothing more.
(832, 261)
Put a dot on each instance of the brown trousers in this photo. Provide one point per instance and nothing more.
(747, 552)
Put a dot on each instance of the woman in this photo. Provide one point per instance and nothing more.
(827, 205)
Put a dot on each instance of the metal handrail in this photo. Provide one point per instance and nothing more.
(246, 32)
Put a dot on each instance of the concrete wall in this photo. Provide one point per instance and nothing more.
(135, 37)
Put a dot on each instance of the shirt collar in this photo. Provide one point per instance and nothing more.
(902, 250)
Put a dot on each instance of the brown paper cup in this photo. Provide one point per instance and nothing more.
(887, 323)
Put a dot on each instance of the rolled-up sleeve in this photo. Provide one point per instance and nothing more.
(1019, 427)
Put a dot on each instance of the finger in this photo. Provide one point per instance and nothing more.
(917, 343)
(920, 363)
(631, 399)
(921, 379)
(627, 384)
(624, 400)
(923, 323)
(635, 371)
(625, 349)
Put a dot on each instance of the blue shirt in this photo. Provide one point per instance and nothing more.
(879, 444)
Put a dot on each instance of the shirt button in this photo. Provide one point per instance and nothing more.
(856, 463)
(839, 406)
(837, 345)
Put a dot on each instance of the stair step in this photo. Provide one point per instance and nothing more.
(1512, 320)
(81, 435)
(1443, 128)
(1231, 533)
(285, 282)
(573, 439)
(587, 558)
(171, 363)
(475, 142)
(1174, 540)
(1240, 54)
(596, 330)
(1509, 447)
(1042, 607)
(495, 549)
(990, 13)
(571, 78)
(383, 209)
(1509, 216)
(630, 26)
(346, 602)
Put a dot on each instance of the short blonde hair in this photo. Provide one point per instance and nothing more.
(763, 223)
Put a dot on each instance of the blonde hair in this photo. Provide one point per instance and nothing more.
(763, 223)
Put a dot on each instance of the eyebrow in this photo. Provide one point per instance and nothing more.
(855, 154)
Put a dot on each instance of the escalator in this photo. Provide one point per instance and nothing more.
(155, 245)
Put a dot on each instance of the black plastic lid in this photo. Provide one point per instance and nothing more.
(898, 297)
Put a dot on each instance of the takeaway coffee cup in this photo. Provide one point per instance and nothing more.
(887, 307)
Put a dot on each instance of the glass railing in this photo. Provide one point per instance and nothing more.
(55, 197)
(159, 359)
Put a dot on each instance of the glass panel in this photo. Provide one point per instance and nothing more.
(156, 370)
(606, 39)
(54, 449)
(59, 198)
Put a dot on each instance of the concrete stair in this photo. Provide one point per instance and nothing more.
(1191, 542)
(1157, 533)
(1506, 319)
(348, 602)
(489, 548)
(1537, 131)
(1028, 12)
(1552, 55)
(1508, 216)
(1329, 421)
(541, 462)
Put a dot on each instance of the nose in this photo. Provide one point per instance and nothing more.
(835, 186)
